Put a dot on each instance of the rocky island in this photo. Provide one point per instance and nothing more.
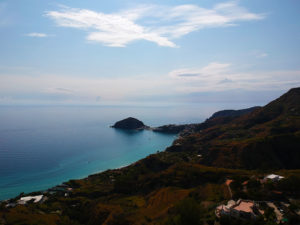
(130, 123)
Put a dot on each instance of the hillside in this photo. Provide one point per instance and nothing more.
(184, 184)
(232, 113)
(217, 118)
(267, 138)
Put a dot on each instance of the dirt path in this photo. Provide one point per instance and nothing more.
(278, 214)
(228, 182)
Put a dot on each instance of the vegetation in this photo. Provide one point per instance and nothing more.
(266, 138)
(185, 183)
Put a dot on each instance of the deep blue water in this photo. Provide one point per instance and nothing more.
(42, 146)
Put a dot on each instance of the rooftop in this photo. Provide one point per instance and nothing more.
(274, 176)
(245, 206)
(26, 199)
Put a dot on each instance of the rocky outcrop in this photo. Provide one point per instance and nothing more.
(130, 123)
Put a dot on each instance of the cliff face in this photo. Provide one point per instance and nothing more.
(129, 124)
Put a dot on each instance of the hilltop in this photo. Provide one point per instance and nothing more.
(233, 113)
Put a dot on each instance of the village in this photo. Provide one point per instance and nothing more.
(246, 209)
(40, 197)
(236, 207)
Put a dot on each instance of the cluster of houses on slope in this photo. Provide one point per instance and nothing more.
(244, 209)
(62, 189)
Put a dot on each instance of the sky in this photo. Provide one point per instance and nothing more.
(148, 51)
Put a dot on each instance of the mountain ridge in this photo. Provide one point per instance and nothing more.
(239, 143)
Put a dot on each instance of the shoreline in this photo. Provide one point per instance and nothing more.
(22, 194)
(169, 129)
(63, 186)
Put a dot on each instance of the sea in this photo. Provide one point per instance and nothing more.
(43, 146)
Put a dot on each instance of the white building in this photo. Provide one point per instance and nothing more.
(24, 200)
(273, 177)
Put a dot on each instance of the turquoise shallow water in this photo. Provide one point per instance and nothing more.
(42, 146)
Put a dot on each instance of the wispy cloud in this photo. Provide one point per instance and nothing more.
(262, 55)
(87, 89)
(38, 35)
(212, 69)
(212, 78)
(59, 90)
(223, 76)
(189, 18)
(259, 54)
(115, 30)
(158, 24)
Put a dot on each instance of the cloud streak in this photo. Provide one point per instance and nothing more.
(38, 35)
(212, 69)
(158, 24)
(223, 76)
(79, 89)
(212, 78)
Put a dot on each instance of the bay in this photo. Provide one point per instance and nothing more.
(42, 146)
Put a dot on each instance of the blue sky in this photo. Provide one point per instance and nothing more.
(156, 52)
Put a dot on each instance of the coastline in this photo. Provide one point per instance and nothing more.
(23, 194)
(63, 187)
(114, 164)
(169, 130)
(190, 176)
